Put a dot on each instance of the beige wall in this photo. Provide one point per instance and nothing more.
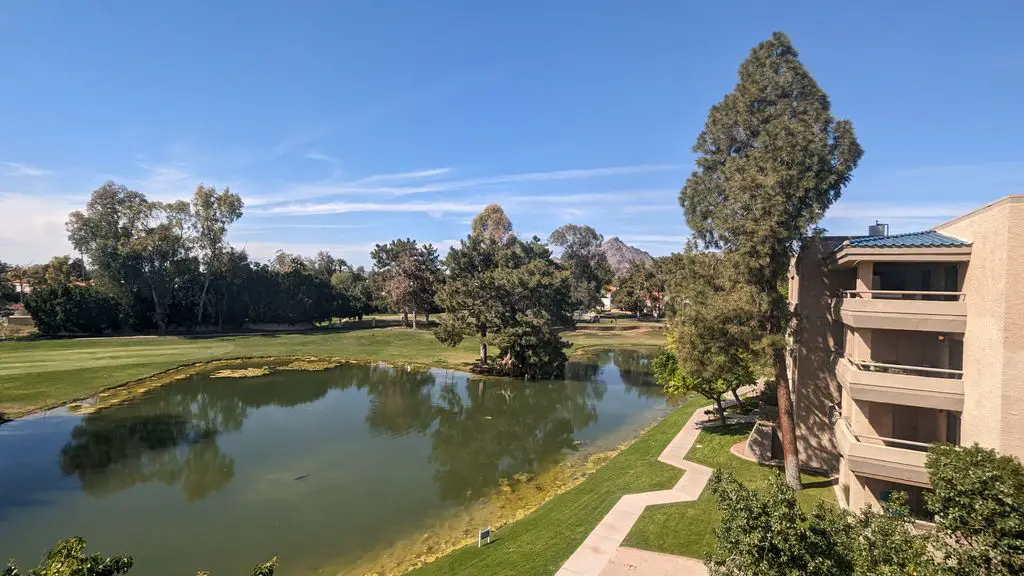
(994, 337)
(815, 388)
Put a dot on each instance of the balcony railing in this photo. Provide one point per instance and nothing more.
(902, 370)
(886, 458)
(892, 442)
(927, 295)
(936, 388)
(927, 311)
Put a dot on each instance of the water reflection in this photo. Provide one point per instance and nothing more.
(317, 467)
(499, 429)
(635, 370)
(400, 401)
(171, 438)
(480, 431)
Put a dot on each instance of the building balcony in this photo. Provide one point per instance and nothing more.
(928, 311)
(903, 385)
(888, 459)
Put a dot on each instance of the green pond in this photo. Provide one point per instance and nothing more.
(322, 469)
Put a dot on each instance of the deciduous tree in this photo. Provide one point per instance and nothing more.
(492, 223)
(638, 290)
(7, 291)
(771, 160)
(588, 267)
(977, 498)
(212, 213)
(410, 274)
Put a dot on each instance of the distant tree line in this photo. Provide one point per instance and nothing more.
(146, 266)
(156, 266)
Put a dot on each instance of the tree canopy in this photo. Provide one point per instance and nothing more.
(68, 558)
(639, 290)
(410, 276)
(510, 294)
(771, 159)
(7, 291)
(167, 265)
(589, 271)
(492, 223)
(977, 500)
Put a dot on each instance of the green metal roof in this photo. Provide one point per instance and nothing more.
(926, 239)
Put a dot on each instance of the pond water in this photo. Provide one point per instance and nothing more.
(318, 468)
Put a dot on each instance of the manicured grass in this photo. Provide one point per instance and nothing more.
(688, 529)
(539, 543)
(35, 374)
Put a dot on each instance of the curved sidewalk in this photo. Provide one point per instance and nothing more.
(602, 552)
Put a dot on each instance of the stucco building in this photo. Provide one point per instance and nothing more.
(906, 340)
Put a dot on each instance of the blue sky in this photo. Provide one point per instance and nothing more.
(345, 123)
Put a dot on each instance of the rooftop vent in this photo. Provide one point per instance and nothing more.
(877, 229)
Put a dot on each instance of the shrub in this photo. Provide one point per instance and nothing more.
(68, 558)
(72, 309)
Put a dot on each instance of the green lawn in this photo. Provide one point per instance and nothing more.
(688, 528)
(539, 543)
(35, 374)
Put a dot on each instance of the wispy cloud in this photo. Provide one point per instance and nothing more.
(621, 196)
(320, 157)
(413, 175)
(309, 191)
(18, 169)
(432, 208)
(574, 174)
(270, 225)
(898, 211)
(360, 186)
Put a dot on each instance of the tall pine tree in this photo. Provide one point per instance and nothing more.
(771, 160)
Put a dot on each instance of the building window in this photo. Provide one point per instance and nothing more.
(953, 428)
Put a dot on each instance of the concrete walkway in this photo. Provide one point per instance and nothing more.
(633, 562)
(602, 553)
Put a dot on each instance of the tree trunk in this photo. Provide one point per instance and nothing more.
(158, 313)
(736, 397)
(405, 318)
(721, 409)
(426, 318)
(223, 309)
(483, 345)
(787, 426)
(414, 315)
(202, 300)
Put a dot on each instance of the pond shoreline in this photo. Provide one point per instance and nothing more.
(434, 537)
(141, 385)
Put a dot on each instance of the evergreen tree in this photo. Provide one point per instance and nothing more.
(771, 160)
(509, 293)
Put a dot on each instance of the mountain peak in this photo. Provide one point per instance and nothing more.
(621, 255)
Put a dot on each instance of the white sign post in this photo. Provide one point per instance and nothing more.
(484, 535)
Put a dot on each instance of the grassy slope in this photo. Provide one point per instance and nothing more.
(539, 543)
(687, 529)
(40, 373)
